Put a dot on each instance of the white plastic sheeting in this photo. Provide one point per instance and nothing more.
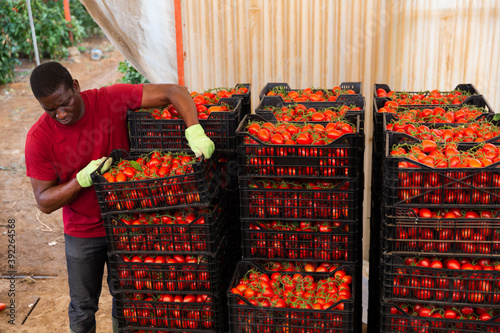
(143, 31)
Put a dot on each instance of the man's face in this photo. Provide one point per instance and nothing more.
(65, 105)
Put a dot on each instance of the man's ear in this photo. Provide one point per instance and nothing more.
(76, 86)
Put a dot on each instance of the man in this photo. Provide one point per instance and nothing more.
(78, 130)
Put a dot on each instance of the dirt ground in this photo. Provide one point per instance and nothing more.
(39, 261)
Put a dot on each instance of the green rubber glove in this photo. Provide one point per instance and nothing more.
(198, 141)
(83, 176)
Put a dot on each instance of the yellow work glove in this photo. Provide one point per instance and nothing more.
(83, 176)
(198, 141)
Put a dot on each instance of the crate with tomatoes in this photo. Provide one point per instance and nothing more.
(472, 108)
(273, 108)
(287, 94)
(268, 199)
(461, 231)
(188, 230)
(437, 175)
(154, 181)
(442, 279)
(332, 150)
(325, 240)
(262, 299)
(155, 129)
(418, 317)
(385, 100)
(170, 273)
(144, 312)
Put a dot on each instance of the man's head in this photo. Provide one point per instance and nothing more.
(46, 79)
(57, 92)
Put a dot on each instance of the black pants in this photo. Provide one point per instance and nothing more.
(85, 260)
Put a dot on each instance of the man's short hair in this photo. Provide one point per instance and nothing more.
(48, 77)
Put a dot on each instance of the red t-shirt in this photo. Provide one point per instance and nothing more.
(56, 151)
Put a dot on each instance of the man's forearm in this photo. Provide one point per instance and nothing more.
(58, 196)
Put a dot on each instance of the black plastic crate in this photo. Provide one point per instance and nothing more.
(411, 183)
(148, 134)
(467, 88)
(394, 318)
(404, 231)
(202, 236)
(378, 117)
(439, 286)
(195, 188)
(201, 275)
(476, 100)
(355, 86)
(288, 242)
(245, 98)
(340, 159)
(339, 203)
(269, 102)
(391, 137)
(246, 317)
(158, 315)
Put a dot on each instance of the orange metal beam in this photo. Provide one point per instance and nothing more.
(67, 16)
(178, 42)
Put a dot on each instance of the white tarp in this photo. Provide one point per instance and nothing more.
(143, 31)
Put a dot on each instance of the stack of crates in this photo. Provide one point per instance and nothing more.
(301, 216)
(438, 242)
(168, 236)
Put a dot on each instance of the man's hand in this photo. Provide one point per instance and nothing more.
(198, 141)
(83, 177)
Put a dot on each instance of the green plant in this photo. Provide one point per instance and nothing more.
(131, 74)
(52, 31)
(9, 24)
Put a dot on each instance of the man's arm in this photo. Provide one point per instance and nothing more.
(50, 196)
(155, 95)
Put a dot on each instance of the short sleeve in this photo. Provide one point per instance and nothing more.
(122, 97)
(38, 162)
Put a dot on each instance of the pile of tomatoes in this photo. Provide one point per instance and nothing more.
(425, 97)
(204, 111)
(448, 279)
(169, 273)
(186, 312)
(439, 115)
(295, 199)
(447, 155)
(309, 94)
(213, 96)
(154, 165)
(428, 318)
(204, 102)
(299, 112)
(297, 291)
(297, 134)
(300, 266)
(478, 131)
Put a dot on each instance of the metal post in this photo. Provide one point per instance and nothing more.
(33, 35)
